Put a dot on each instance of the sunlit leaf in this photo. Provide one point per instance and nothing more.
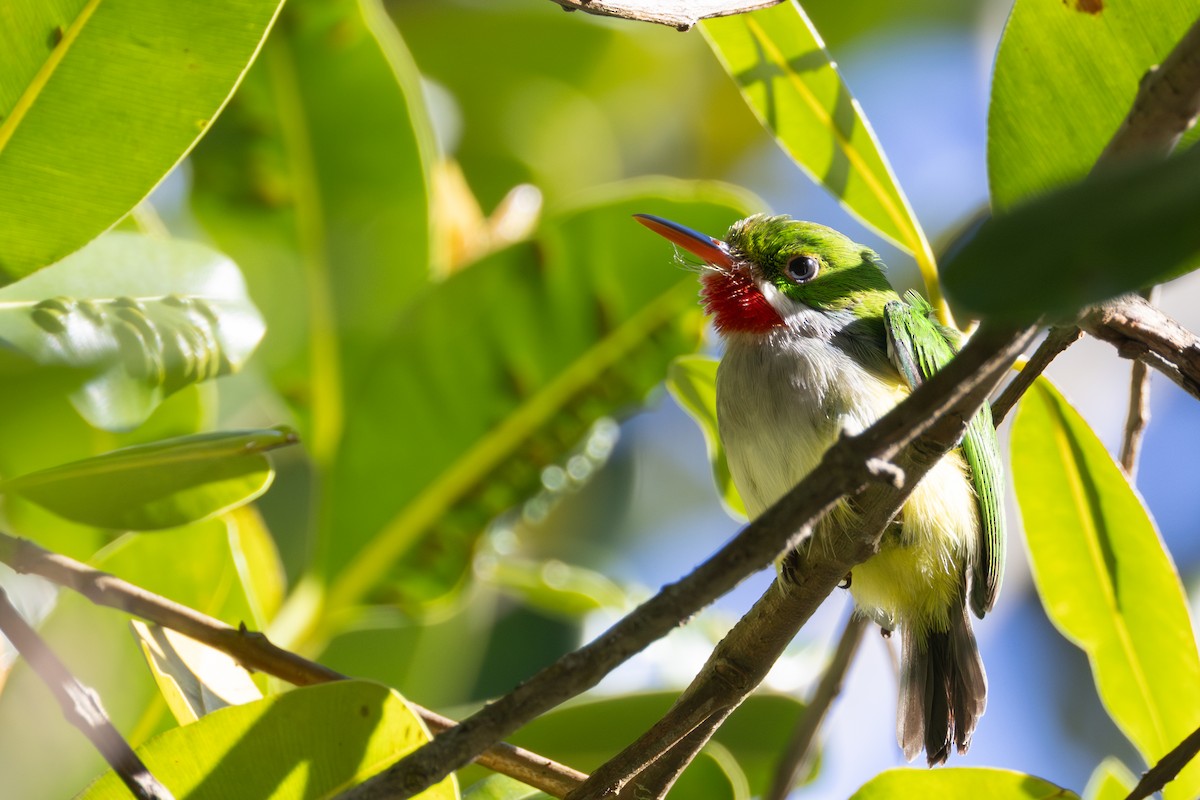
(193, 566)
(1105, 579)
(692, 381)
(258, 563)
(193, 678)
(315, 181)
(502, 787)
(313, 742)
(1120, 230)
(793, 86)
(977, 783)
(159, 485)
(1111, 780)
(130, 319)
(98, 100)
(498, 372)
(1066, 74)
(586, 735)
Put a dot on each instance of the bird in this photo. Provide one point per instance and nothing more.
(817, 343)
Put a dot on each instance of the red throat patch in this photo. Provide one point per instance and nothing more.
(736, 304)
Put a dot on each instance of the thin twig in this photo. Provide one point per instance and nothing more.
(920, 424)
(254, 651)
(1138, 416)
(80, 705)
(1057, 340)
(797, 757)
(656, 780)
(679, 14)
(1143, 332)
(1167, 768)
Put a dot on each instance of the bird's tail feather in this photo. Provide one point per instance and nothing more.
(943, 690)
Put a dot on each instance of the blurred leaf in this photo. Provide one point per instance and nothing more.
(193, 678)
(48, 758)
(98, 101)
(313, 742)
(1111, 780)
(794, 88)
(133, 319)
(1065, 76)
(586, 734)
(558, 589)
(1105, 579)
(258, 563)
(692, 381)
(502, 787)
(315, 180)
(1123, 229)
(159, 485)
(496, 373)
(978, 783)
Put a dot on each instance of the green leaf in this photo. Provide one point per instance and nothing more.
(692, 381)
(1066, 74)
(313, 742)
(791, 83)
(159, 485)
(98, 101)
(315, 180)
(500, 370)
(502, 787)
(193, 567)
(1123, 229)
(558, 589)
(132, 318)
(193, 678)
(1105, 579)
(586, 734)
(1111, 780)
(978, 783)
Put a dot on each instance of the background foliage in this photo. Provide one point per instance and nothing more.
(407, 232)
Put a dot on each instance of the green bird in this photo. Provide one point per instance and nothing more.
(816, 343)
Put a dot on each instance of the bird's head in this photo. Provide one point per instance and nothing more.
(774, 271)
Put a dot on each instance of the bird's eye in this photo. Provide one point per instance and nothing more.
(802, 269)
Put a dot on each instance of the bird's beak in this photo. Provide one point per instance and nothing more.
(713, 251)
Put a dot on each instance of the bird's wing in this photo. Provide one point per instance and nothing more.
(918, 347)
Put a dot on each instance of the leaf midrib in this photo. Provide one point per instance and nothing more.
(34, 90)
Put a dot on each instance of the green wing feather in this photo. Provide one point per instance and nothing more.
(918, 347)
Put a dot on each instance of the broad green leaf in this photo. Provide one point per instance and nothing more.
(977, 783)
(502, 787)
(558, 589)
(258, 563)
(1124, 229)
(193, 678)
(130, 319)
(313, 742)
(315, 180)
(1111, 780)
(1105, 579)
(50, 759)
(793, 86)
(692, 381)
(159, 485)
(498, 372)
(98, 101)
(1065, 76)
(586, 734)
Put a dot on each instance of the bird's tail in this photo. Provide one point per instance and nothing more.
(943, 689)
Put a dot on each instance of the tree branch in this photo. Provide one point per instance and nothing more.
(679, 14)
(1167, 768)
(798, 755)
(1057, 340)
(254, 651)
(1138, 416)
(935, 414)
(1140, 331)
(80, 705)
